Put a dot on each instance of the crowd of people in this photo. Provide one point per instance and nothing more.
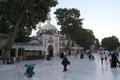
(111, 59)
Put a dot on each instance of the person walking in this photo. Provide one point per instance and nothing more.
(114, 60)
(90, 56)
(48, 59)
(65, 62)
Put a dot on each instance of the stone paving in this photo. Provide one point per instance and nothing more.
(81, 69)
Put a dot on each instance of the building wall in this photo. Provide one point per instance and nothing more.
(31, 54)
(51, 40)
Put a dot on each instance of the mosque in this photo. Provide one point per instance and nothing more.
(49, 37)
(48, 40)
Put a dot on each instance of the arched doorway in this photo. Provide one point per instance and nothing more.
(50, 50)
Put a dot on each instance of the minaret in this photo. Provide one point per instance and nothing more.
(48, 20)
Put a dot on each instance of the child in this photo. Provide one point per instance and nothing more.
(102, 58)
(106, 59)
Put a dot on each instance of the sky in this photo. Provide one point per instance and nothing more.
(101, 16)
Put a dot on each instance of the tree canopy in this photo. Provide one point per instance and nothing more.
(22, 15)
(110, 43)
(69, 19)
(71, 26)
(85, 38)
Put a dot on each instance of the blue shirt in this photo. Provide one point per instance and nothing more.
(30, 65)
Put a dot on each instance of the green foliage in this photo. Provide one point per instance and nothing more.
(30, 12)
(27, 12)
(86, 38)
(69, 20)
(22, 37)
(110, 43)
(4, 28)
(21, 16)
(71, 26)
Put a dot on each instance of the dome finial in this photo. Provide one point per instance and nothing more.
(39, 25)
(48, 16)
(48, 20)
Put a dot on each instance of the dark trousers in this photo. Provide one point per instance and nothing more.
(102, 61)
(65, 68)
(113, 64)
(30, 72)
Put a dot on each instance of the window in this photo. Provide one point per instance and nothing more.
(20, 52)
(12, 52)
(0, 52)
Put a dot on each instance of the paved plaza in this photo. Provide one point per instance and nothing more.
(81, 69)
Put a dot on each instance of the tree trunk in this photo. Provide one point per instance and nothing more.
(8, 45)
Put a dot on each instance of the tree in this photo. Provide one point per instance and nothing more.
(70, 22)
(5, 27)
(23, 15)
(86, 38)
(110, 43)
(71, 26)
(22, 36)
(69, 19)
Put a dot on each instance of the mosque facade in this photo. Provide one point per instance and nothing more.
(48, 41)
(50, 38)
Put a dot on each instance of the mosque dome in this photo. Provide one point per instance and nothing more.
(51, 27)
(49, 30)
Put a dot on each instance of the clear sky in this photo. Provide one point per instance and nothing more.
(101, 16)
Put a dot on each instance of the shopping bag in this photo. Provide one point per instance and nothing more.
(68, 67)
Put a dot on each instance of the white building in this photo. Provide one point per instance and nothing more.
(48, 36)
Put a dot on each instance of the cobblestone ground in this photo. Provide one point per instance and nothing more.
(81, 69)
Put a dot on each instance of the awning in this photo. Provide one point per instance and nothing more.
(77, 48)
(37, 48)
